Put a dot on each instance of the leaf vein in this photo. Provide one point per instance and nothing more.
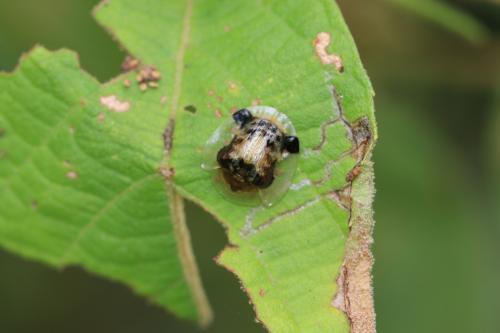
(110, 204)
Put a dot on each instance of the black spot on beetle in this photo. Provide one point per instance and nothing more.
(242, 117)
(291, 144)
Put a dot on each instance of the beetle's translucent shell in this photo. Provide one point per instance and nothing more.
(283, 172)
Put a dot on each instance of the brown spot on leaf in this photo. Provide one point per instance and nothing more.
(321, 42)
(101, 117)
(218, 113)
(114, 104)
(167, 172)
(168, 135)
(148, 76)
(34, 204)
(354, 173)
(127, 83)
(256, 102)
(227, 28)
(163, 99)
(342, 197)
(262, 292)
(130, 63)
(361, 131)
(362, 135)
(72, 175)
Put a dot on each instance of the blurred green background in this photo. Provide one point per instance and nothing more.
(437, 167)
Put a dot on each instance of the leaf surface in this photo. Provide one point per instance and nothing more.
(95, 181)
(80, 183)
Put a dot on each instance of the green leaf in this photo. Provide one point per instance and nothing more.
(80, 189)
(448, 16)
(93, 173)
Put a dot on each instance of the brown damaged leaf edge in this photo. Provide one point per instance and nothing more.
(354, 296)
(355, 291)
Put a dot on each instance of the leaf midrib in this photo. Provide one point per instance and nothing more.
(179, 68)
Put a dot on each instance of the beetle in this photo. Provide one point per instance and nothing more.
(260, 142)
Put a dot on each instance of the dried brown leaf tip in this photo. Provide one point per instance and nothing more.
(321, 42)
(148, 76)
